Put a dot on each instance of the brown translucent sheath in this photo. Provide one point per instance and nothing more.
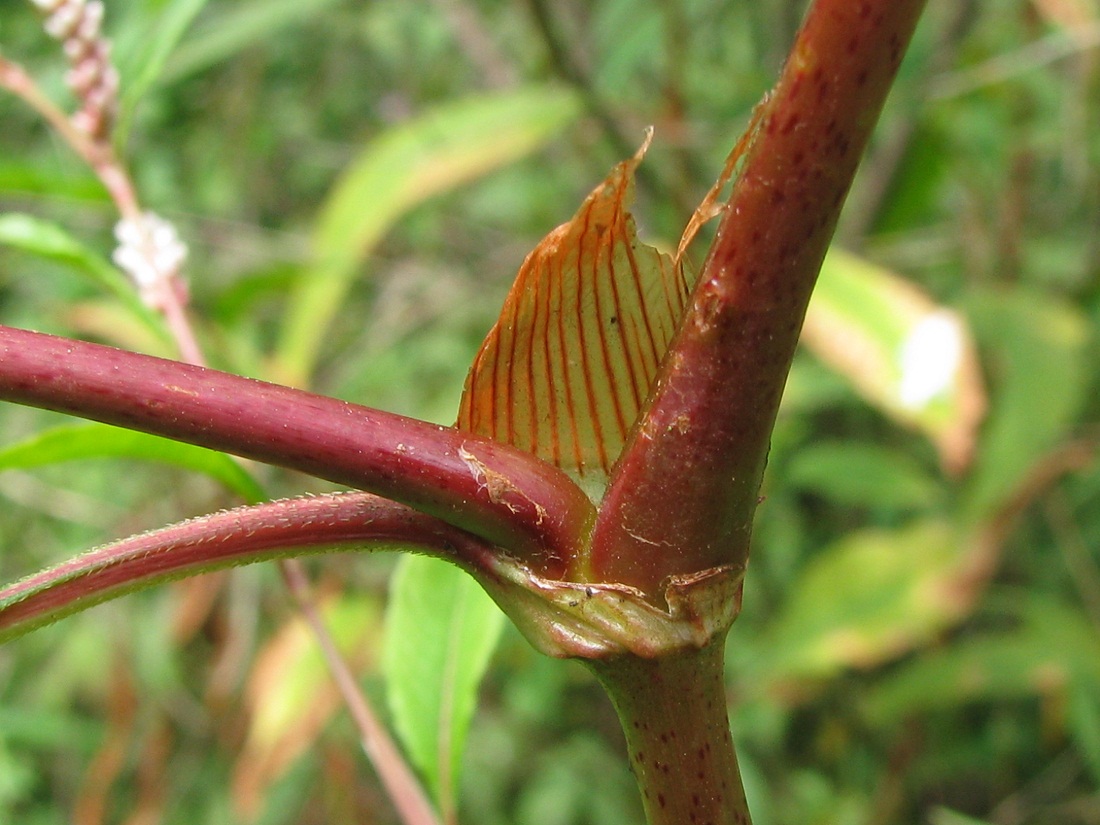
(505, 496)
(564, 372)
(683, 495)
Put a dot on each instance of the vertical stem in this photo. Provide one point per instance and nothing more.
(673, 711)
(703, 440)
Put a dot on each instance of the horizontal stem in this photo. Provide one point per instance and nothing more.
(501, 494)
(340, 521)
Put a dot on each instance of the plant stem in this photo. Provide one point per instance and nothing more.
(339, 521)
(703, 441)
(504, 495)
(401, 784)
(673, 711)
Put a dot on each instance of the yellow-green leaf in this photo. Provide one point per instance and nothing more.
(401, 168)
(441, 630)
(903, 353)
(869, 597)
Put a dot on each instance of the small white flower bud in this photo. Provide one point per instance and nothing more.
(90, 22)
(150, 252)
(65, 19)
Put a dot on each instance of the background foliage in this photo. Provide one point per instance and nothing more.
(358, 184)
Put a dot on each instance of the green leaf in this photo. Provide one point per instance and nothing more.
(48, 240)
(862, 475)
(234, 28)
(441, 629)
(398, 170)
(1037, 349)
(1046, 647)
(80, 441)
(910, 358)
(867, 598)
(145, 66)
(1084, 724)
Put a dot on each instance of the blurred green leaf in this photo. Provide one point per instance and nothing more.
(441, 629)
(1037, 359)
(403, 167)
(560, 793)
(16, 780)
(862, 475)
(910, 358)
(914, 188)
(39, 237)
(229, 29)
(869, 597)
(946, 816)
(144, 67)
(1047, 646)
(70, 442)
(1084, 725)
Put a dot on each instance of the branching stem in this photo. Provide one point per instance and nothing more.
(506, 496)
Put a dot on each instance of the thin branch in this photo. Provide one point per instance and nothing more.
(995, 532)
(402, 786)
(477, 42)
(291, 527)
(573, 72)
(1004, 67)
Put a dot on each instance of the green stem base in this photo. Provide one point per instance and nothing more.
(673, 711)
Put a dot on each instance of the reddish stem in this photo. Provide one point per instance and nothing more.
(501, 494)
(673, 712)
(704, 440)
(247, 534)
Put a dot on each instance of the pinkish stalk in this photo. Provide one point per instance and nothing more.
(98, 154)
(402, 786)
(93, 79)
(504, 495)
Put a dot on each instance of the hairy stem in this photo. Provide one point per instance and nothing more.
(673, 712)
(341, 521)
(506, 496)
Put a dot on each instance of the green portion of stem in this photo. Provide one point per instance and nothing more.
(704, 439)
(506, 496)
(673, 712)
